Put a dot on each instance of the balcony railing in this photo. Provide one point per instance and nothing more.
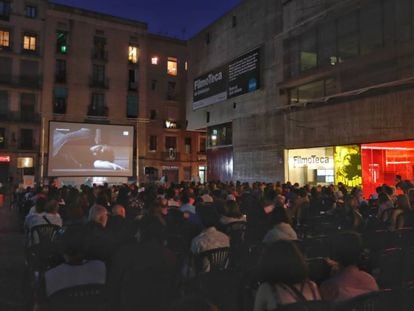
(132, 86)
(171, 155)
(98, 83)
(97, 111)
(34, 82)
(20, 116)
(60, 77)
(99, 54)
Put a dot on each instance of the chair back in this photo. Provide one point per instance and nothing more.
(43, 234)
(212, 260)
(390, 268)
(90, 297)
(408, 267)
(237, 232)
(382, 300)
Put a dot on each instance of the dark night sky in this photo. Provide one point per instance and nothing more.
(174, 18)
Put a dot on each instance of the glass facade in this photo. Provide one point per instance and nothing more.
(382, 161)
(366, 166)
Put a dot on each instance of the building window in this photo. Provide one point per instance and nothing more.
(132, 80)
(2, 137)
(98, 76)
(61, 42)
(4, 39)
(187, 145)
(4, 104)
(6, 69)
(170, 142)
(172, 66)
(186, 66)
(27, 106)
(30, 11)
(26, 139)
(29, 73)
(29, 42)
(233, 21)
(327, 54)
(133, 54)
(99, 52)
(97, 106)
(153, 114)
(220, 135)
(60, 71)
(60, 95)
(203, 144)
(132, 106)
(153, 85)
(310, 91)
(5, 10)
(153, 143)
(308, 51)
(154, 60)
(171, 93)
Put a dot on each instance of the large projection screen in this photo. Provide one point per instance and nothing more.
(83, 149)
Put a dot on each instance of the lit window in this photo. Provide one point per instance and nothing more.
(172, 66)
(154, 60)
(133, 54)
(61, 42)
(186, 66)
(29, 42)
(30, 11)
(4, 38)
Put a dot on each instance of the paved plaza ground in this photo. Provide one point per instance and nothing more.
(13, 295)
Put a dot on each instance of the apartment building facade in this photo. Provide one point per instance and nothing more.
(91, 68)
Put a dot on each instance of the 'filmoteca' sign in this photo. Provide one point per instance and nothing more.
(239, 77)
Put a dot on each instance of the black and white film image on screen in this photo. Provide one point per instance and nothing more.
(81, 149)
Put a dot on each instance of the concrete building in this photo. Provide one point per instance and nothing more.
(59, 63)
(334, 103)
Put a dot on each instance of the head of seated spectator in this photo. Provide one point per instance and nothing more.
(52, 207)
(40, 205)
(282, 262)
(99, 215)
(208, 216)
(152, 231)
(72, 245)
(232, 213)
(285, 275)
(348, 281)
(118, 210)
(347, 248)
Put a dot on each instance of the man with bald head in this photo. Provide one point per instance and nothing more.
(123, 229)
(99, 240)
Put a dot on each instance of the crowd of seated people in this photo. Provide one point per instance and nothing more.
(141, 243)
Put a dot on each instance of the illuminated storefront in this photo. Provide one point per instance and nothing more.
(311, 166)
(325, 165)
(382, 161)
(367, 165)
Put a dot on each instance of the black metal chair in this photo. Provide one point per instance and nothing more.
(407, 266)
(42, 234)
(383, 300)
(389, 273)
(313, 305)
(90, 297)
(237, 232)
(212, 260)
